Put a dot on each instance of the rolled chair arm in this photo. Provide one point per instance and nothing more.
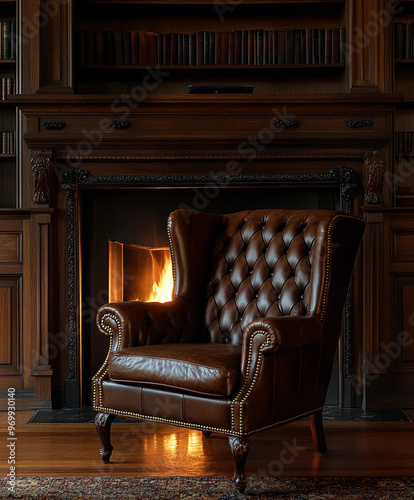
(135, 323)
(278, 334)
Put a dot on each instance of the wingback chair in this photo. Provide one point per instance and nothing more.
(249, 339)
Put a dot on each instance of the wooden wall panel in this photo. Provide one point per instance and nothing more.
(6, 332)
(407, 321)
(10, 330)
(10, 248)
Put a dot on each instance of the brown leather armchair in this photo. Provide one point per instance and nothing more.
(249, 339)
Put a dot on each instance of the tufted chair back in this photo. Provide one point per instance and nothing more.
(261, 266)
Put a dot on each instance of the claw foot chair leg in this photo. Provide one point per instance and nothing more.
(318, 434)
(103, 423)
(240, 449)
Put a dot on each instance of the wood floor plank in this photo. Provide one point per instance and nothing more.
(150, 449)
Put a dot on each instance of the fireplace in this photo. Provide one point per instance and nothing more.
(140, 273)
(123, 242)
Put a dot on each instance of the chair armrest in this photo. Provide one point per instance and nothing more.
(135, 323)
(278, 334)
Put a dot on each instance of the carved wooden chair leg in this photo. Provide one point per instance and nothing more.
(103, 423)
(206, 433)
(318, 434)
(240, 448)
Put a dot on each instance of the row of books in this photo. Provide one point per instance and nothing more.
(8, 86)
(404, 40)
(8, 141)
(8, 40)
(252, 47)
(404, 142)
(247, 47)
(121, 48)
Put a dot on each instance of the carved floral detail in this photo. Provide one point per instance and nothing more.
(374, 176)
(41, 162)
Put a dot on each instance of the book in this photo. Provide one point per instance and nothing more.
(119, 48)
(238, 47)
(135, 59)
(336, 50)
(328, 46)
(173, 49)
(6, 39)
(290, 50)
(281, 47)
(192, 49)
(109, 47)
(100, 47)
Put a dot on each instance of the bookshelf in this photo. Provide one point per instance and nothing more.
(8, 113)
(257, 42)
(404, 115)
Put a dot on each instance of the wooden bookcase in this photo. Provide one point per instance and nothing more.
(337, 113)
(8, 116)
(170, 25)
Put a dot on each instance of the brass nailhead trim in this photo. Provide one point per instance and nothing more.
(172, 250)
(103, 370)
(245, 380)
(328, 267)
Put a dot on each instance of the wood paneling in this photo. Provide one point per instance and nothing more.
(408, 321)
(10, 248)
(10, 332)
(6, 332)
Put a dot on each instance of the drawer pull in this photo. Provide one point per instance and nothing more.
(118, 124)
(287, 123)
(359, 124)
(54, 125)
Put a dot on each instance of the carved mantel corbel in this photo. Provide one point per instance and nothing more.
(374, 176)
(41, 163)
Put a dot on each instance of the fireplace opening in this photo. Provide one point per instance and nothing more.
(132, 222)
(139, 273)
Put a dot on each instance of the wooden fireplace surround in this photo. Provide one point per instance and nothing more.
(96, 143)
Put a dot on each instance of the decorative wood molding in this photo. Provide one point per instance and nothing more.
(54, 125)
(222, 156)
(359, 123)
(374, 176)
(73, 179)
(119, 124)
(41, 163)
(287, 123)
(72, 331)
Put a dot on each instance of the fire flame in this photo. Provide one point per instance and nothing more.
(162, 290)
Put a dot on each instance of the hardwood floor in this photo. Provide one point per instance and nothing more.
(148, 449)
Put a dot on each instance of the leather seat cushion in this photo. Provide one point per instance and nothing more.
(210, 369)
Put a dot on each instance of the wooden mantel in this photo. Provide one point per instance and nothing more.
(190, 135)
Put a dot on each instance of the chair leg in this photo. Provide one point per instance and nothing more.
(240, 448)
(318, 434)
(103, 423)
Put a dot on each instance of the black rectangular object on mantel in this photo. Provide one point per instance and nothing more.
(220, 89)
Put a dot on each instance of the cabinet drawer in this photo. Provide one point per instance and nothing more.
(277, 127)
